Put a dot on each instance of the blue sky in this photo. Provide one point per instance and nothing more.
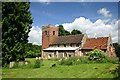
(73, 14)
(61, 12)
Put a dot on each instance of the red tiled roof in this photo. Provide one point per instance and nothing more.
(69, 39)
(96, 43)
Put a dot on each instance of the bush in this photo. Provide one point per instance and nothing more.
(113, 60)
(31, 54)
(85, 59)
(97, 55)
(74, 60)
(66, 61)
(54, 59)
(37, 64)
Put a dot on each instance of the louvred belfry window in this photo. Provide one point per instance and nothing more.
(53, 32)
(45, 32)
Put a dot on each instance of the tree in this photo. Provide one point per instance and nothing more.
(76, 32)
(16, 22)
(0, 31)
(62, 31)
(32, 51)
(117, 49)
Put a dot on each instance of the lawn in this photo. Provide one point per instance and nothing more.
(96, 70)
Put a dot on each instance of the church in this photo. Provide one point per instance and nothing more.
(54, 46)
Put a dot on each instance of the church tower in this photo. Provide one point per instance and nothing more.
(48, 34)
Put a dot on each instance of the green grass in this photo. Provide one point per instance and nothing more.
(0, 73)
(104, 70)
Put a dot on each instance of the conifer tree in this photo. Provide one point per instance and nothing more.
(16, 24)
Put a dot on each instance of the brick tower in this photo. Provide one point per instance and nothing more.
(48, 34)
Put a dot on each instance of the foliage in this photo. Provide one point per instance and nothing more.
(62, 31)
(73, 32)
(65, 61)
(32, 54)
(74, 60)
(37, 63)
(117, 49)
(97, 55)
(16, 22)
(32, 51)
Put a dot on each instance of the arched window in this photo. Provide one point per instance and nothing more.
(45, 32)
(53, 32)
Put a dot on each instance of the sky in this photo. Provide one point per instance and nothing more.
(96, 19)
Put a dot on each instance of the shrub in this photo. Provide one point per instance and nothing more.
(66, 61)
(31, 54)
(37, 64)
(74, 60)
(54, 59)
(113, 60)
(97, 55)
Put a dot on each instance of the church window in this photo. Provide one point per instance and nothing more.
(53, 32)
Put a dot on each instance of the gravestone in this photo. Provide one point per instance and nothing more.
(11, 65)
(37, 58)
(21, 63)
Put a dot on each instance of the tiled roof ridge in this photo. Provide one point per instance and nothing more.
(98, 38)
(70, 35)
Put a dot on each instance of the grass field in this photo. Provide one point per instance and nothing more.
(103, 70)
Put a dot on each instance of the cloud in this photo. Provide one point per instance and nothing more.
(35, 35)
(46, 2)
(98, 28)
(105, 12)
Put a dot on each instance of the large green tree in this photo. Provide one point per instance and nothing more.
(16, 24)
(117, 49)
(73, 32)
(62, 31)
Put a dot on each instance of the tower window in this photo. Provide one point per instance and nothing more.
(45, 32)
(53, 32)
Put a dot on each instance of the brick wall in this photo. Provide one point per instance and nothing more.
(48, 36)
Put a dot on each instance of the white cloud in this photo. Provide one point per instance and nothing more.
(46, 2)
(105, 12)
(94, 29)
(98, 28)
(35, 35)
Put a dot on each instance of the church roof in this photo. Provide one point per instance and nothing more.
(96, 43)
(69, 39)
